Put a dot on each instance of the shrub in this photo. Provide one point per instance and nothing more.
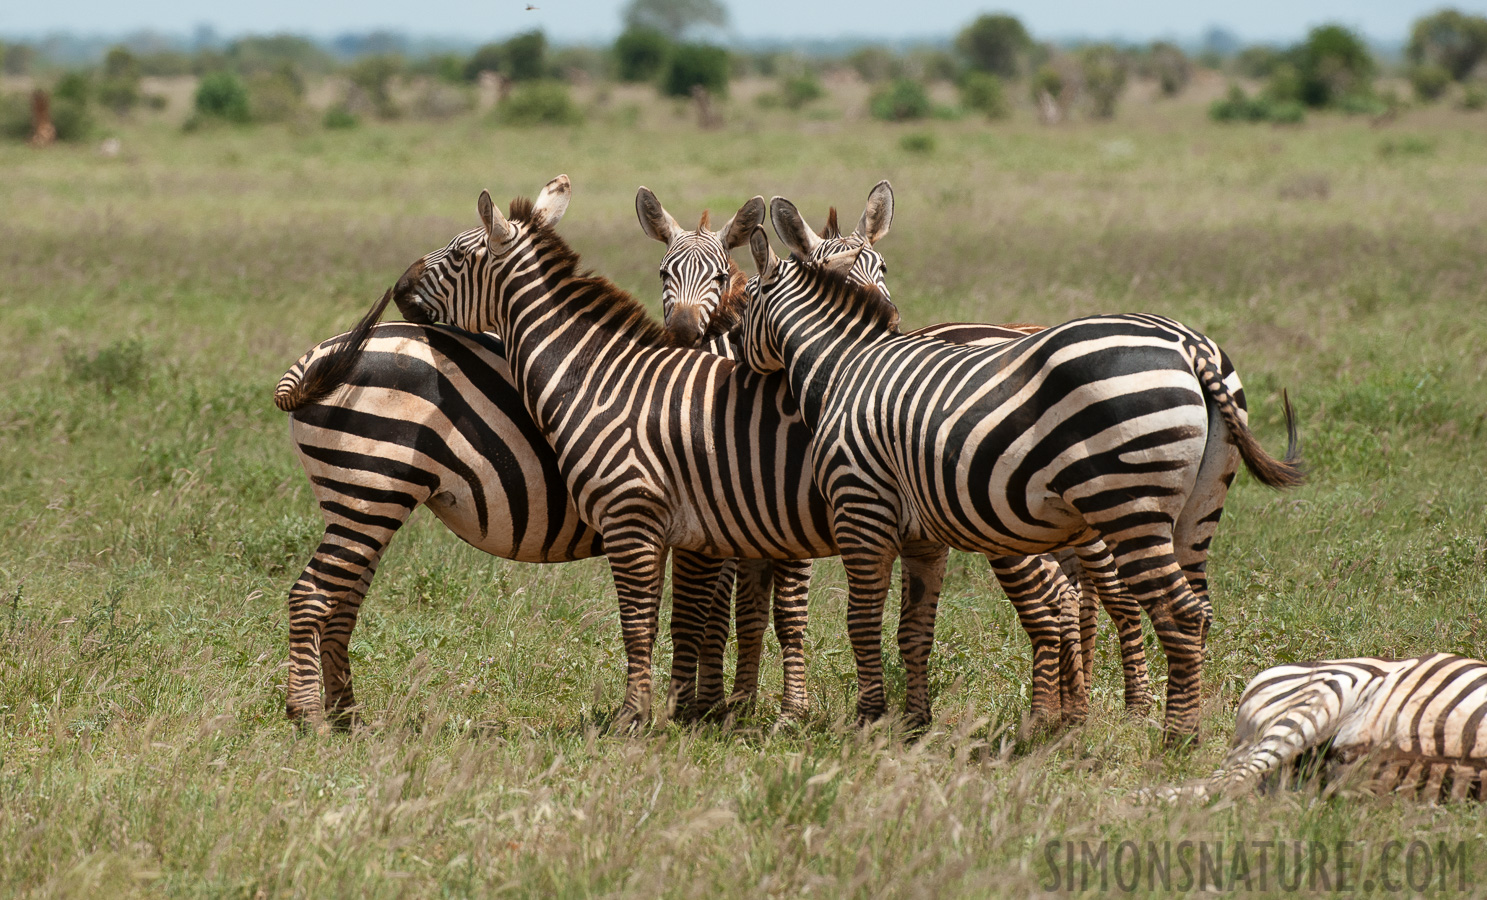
(1332, 64)
(873, 64)
(902, 100)
(539, 103)
(917, 142)
(1474, 97)
(691, 65)
(275, 96)
(73, 87)
(118, 88)
(640, 54)
(1451, 40)
(798, 90)
(487, 58)
(1258, 61)
(1170, 67)
(982, 92)
(15, 117)
(372, 76)
(1239, 107)
(998, 44)
(1104, 68)
(222, 95)
(526, 56)
(1047, 80)
(1430, 81)
(339, 116)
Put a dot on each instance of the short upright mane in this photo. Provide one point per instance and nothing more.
(857, 296)
(561, 262)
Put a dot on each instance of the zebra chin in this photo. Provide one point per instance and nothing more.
(410, 305)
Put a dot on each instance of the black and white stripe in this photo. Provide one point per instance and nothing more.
(1121, 429)
(1414, 725)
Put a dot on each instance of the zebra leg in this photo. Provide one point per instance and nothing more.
(711, 690)
(636, 556)
(1150, 570)
(694, 578)
(1098, 570)
(792, 587)
(923, 576)
(751, 608)
(323, 606)
(1073, 679)
(1029, 583)
(869, 571)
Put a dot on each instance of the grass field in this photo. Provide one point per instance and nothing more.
(154, 516)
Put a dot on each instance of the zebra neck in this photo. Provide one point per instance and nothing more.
(567, 335)
(814, 352)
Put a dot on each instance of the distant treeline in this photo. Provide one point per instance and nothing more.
(264, 78)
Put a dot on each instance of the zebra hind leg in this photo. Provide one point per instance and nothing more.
(323, 605)
(923, 577)
(792, 587)
(751, 609)
(1029, 583)
(1098, 571)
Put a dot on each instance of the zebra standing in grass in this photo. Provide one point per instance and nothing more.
(1125, 429)
(1415, 725)
(703, 296)
(431, 416)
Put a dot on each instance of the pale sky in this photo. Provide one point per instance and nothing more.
(595, 20)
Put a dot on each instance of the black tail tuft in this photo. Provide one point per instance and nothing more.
(328, 372)
(1272, 472)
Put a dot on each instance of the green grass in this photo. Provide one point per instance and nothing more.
(154, 517)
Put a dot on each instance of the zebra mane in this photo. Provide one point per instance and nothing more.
(561, 263)
(731, 305)
(831, 229)
(855, 296)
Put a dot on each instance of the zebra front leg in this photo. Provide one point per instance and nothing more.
(1030, 585)
(792, 588)
(868, 573)
(1125, 613)
(696, 676)
(635, 561)
(923, 576)
(751, 609)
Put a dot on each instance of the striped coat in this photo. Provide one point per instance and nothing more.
(1117, 429)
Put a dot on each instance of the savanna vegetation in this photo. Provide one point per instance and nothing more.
(154, 515)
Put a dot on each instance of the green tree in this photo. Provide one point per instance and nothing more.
(674, 18)
(526, 56)
(486, 58)
(696, 64)
(995, 43)
(221, 95)
(1169, 66)
(372, 75)
(982, 91)
(118, 84)
(640, 54)
(1331, 65)
(1104, 67)
(1451, 40)
(902, 100)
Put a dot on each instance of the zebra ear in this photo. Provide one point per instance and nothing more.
(841, 262)
(764, 259)
(553, 201)
(655, 221)
(792, 229)
(878, 215)
(737, 231)
(496, 227)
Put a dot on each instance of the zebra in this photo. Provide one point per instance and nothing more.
(1125, 429)
(1415, 725)
(432, 418)
(701, 284)
(659, 446)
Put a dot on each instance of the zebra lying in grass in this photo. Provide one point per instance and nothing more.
(1412, 725)
(1125, 429)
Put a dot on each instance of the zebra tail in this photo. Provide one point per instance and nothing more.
(328, 372)
(1276, 473)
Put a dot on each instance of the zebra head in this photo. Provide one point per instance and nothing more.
(872, 227)
(457, 284)
(696, 272)
(789, 290)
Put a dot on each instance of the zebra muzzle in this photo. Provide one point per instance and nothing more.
(411, 307)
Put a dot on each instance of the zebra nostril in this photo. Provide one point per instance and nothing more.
(687, 326)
